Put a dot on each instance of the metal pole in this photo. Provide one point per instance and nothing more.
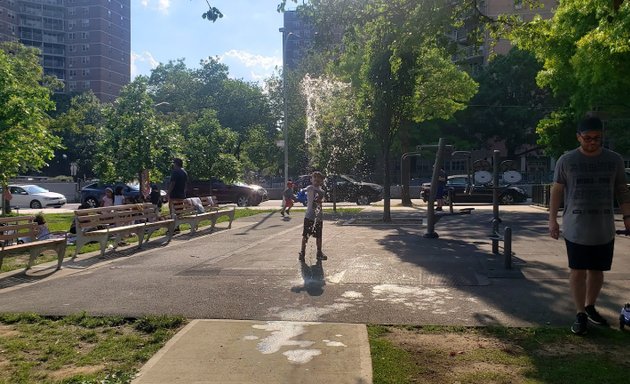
(439, 159)
(507, 247)
(495, 202)
(285, 127)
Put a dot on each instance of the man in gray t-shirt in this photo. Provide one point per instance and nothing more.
(588, 179)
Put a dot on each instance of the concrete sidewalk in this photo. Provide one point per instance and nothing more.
(230, 351)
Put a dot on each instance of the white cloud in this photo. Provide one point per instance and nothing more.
(162, 5)
(142, 63)
(251, 60)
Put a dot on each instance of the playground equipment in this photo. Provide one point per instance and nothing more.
(432, 217)
(479, 172)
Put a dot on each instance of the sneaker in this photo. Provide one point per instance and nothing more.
(438, 208)
(301, 256)
(580, 325)
(321, 256)
(594, 316)
(282, 214)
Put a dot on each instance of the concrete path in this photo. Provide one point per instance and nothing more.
(222, 351)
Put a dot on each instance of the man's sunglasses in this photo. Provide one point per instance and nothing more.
(589, 139)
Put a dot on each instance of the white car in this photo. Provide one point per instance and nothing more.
(36, 197)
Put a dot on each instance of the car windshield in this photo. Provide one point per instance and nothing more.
(35, 189)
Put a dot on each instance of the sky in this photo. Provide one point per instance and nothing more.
(246, 39)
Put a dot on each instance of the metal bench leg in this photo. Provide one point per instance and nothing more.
(34, 253)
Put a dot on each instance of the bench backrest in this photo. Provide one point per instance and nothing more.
(13, 228)
(117, 215)
(184, 207)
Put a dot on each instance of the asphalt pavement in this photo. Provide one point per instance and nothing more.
(376, 272)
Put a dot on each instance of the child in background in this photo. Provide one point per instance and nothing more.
(287, 198)
(108, 199)
(43, 233)
(119, 199)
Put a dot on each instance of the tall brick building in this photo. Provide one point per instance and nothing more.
(84, 43)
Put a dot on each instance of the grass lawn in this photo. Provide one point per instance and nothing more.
(497, 355)
(60, 222)
(79, 348)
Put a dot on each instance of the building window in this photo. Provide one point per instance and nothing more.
(85, 23)
(71, 24)
(85, 35)
(86, 11)
(72, 85)
(72, 48)
(71, 36)
(85, 47)
(86, 84)
(85, 59)
(86, 72)
(72, 11)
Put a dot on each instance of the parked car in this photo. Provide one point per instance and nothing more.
(34, 196)
(240, 193)
(347, 189)
(460, 185)
(93, 193)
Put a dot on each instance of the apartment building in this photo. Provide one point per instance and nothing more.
(84, 43)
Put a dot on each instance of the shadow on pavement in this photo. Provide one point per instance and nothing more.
(314, 279)
(535, 290)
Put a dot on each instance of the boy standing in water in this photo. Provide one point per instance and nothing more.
(313, 218)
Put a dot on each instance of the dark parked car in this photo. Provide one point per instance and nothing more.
(92, 193)
(480, 193)
(348, 189)
(240, 193)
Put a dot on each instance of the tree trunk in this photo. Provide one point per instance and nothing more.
(405, 165)
(387, 217)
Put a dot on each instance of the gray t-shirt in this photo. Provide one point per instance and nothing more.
(590, 183)
(313, 208)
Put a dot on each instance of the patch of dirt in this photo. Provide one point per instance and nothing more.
(66, 372)
(8, 331)
(453, 357)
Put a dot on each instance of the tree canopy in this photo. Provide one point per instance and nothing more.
(585, 51)
(27, 141)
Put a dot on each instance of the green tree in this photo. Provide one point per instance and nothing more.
(209, 149)
(133, 139)
(79, 129)
(405, 73)
(27, 142)
(509, 104)
(585, 51)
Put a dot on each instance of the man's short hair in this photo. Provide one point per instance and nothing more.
(590, 124)
(179, 162)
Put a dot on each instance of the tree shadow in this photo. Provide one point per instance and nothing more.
(534, 291)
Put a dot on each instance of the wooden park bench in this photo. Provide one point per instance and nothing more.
(115, 222)
(185, 212)
(13, 230)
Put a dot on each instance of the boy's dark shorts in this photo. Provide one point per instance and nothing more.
(312, 229)
(593, 257)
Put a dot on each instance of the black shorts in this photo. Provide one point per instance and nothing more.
(312, 229)
(593, 257)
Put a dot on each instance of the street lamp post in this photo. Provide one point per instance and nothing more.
(285, 127)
